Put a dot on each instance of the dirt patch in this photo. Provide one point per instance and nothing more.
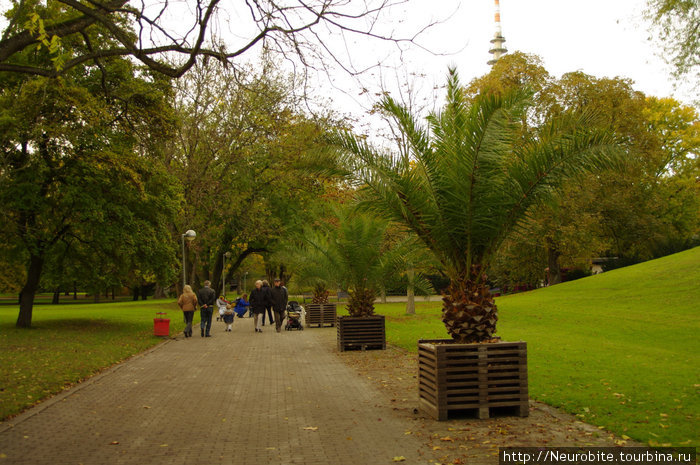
(468, 440)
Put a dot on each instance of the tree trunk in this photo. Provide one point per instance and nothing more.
(382, 295)
(144, 292)
(136, 288)
(284, 276)
(193, 281)
(75, 290)
(554, 275)
(56, 296)
(217, 273)
(159, 292)
(26, 296)
(410, 294)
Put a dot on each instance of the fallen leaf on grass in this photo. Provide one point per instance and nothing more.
(311, 428)
(163, 445)
(114, 443)
(399, 458)
(447, 438)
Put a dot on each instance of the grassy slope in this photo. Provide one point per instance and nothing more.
(69, 343)
(620, 349)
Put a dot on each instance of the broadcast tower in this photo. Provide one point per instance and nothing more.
(498, 40)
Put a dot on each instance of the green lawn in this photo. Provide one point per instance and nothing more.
(620, 349)
(69, 343)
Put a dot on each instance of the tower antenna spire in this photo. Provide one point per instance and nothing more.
(498, 49)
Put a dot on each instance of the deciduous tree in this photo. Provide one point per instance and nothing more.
(76, 180)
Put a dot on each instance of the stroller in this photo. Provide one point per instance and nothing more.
(294, 312)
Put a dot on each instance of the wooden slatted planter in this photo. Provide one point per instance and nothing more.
(364, 332)
(320, 314)
(471, 377)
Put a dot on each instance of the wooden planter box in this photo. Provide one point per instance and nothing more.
(458, 378)
(320, 315)
(364, 332)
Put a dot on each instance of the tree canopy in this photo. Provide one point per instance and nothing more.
(634, 212)
(80, 186)
(676, 24)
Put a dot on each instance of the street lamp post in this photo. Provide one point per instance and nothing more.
(223, 272)
(189, 235)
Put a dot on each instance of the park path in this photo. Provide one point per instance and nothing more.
(236, 398)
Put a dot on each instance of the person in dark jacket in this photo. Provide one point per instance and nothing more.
(259, 301)
(279, 302)
(268, 307)
(207, 301)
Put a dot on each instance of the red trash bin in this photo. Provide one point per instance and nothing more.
(161, 326)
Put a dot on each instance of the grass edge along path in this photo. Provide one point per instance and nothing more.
(69, 343)
(619, 350)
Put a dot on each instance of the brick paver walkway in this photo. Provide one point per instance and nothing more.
(236, 398)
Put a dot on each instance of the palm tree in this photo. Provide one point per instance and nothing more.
(467, 181)
(354, 255)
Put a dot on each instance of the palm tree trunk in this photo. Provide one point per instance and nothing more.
(361, 302)
(410, 293)
(469, 311)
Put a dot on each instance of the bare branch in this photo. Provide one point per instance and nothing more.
(148, 33)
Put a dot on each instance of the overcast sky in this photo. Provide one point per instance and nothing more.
(604, 38)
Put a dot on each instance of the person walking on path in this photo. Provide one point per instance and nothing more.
(279, 302)
(259, 301)
(207, 301)
(228, 318)
(268, 307)
(188, 304)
